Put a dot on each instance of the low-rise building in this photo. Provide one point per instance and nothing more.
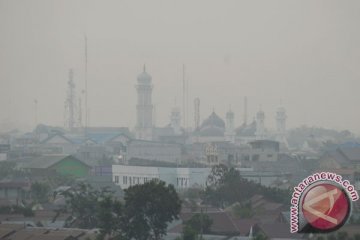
(154, 150)
(181, 178)
(47, 165)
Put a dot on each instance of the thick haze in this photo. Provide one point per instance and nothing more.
(304, 53)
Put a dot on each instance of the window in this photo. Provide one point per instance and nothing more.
(125, 180)
(116, 179)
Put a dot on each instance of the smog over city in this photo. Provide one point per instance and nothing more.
(304, 54)
(220, 105)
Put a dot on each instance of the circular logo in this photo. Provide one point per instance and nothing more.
(326, 207)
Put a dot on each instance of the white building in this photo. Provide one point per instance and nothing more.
(182, 178)
(155, 150)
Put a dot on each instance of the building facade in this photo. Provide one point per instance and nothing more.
(180, 178)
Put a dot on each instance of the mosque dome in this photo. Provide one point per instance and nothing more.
(213, 120)
(246, 130)
(211, 131)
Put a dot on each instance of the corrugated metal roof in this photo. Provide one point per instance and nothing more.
(46, 161)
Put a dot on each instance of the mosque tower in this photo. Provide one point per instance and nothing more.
(260, 125)
(144, 108)
(281, 125)
(175, 120)
(230, 130)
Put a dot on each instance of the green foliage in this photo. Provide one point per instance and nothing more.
(39, 192)
(189, 233)
(200, 222)
(148, 209)
(15, 209)
(83, 202)
(357, 236)
(109, 216)
(260, 236)
(8, 169)
(226, 186)
(192, 194)
(216, 177)
(145, 214)
(243, 210)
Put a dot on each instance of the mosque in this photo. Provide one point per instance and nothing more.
(212, 129)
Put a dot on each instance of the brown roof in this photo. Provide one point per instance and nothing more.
(222, 223)
(277, 230)
(351, 229)
(15, 184)
(40, 215)
(18, 232)
(4, 232)
(244, 225)
(353, 154)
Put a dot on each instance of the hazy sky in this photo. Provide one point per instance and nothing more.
(305, 53)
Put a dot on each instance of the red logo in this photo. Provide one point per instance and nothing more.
(326, 207)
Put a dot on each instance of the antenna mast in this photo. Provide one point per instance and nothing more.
(184, 97)
(245, 110)
(86, 86)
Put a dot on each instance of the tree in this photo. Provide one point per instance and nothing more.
(39, 192)
(110, 219)
(217, 175)
(260, 236)
(148, 209)
(8, 169)
(226, 186)
(83, 204)
(189, 233)
(243, 210)
(200, 223)
(357, 236)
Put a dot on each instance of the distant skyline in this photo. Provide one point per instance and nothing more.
(305, 54)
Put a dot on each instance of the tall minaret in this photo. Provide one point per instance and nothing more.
(196, 113)
(230, 133)
(260, 125)
(175, 120)
(144, 125)
(281, 125)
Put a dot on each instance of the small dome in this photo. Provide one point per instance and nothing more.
(246, 130)
(144, 77)
(213, 120)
